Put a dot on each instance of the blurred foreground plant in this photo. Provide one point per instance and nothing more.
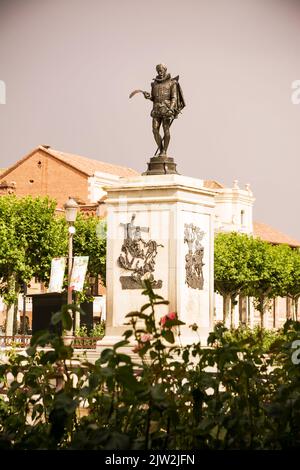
(148, 392)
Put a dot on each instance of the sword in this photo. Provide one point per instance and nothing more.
(172, 119)
(141, 91)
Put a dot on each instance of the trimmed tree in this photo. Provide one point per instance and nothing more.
(90, 240)
(271, 268)
(232, 268)
(30, 236)
(293, 288)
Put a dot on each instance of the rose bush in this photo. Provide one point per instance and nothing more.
(229, 395)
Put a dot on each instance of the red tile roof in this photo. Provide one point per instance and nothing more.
(90, 166)
(271, 235)
(85, 165)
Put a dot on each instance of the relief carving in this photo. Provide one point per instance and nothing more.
(194, 258)
(138, 256)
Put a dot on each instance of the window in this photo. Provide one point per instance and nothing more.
(242, 217)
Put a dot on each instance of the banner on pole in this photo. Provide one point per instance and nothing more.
(79, 269)
(58, 266)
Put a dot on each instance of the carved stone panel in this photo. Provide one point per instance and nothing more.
(194, 258)
(138, 257)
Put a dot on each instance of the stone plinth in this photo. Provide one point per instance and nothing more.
(161, 166)
(176, 214)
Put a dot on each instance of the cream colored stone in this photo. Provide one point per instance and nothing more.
(164, 204)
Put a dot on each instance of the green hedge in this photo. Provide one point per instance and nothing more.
(236, 393)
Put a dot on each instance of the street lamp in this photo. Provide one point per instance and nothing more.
(71, 208)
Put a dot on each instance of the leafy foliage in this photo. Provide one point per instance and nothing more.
(30, 236)
(98, 330)
(250, 266)
(90, 240)
(259, 338)
(234, 394)
(232, 266)
(271, 267)
(293, 287)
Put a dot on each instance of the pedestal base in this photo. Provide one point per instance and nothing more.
(161, 166)
(162, 225)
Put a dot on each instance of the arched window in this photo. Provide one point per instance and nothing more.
(242, 217)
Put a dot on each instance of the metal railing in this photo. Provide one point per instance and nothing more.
(18, 341)
(85, 342)
(23, 341)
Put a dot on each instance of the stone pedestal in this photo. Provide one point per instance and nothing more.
(176, 214)
(161, 166)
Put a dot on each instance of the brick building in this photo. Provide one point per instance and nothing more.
(48, 172)
(45, 171)
(7, 188)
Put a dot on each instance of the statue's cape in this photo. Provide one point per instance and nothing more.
(180, 99)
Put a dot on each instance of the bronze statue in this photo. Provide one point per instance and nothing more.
(168, 102)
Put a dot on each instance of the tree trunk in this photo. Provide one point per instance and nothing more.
(262, 310)
(226, 301)
(289, 314)
(294, 301)
(274, 311)
(77, 320)
(9, 326)
(295, 307)
(76, 314)
(249, 312)
(242, 303)
(232, 305)
(15, 325)
(12, 308)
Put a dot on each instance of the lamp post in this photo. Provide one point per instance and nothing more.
(71, 208)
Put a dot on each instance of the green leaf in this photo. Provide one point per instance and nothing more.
(56, 317)
(67, 321)
(168, 335)
(106, 355)
(40, 338)
(127, 334)
(121, 344)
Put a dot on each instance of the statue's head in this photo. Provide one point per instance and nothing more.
(161, 70)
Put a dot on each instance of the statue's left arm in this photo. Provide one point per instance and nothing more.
(173, 96)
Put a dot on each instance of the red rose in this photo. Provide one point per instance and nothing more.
(146, 337)
(137, 348)
(172, 316)
(169, 316)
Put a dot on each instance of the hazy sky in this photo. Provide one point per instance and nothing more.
(69, 66)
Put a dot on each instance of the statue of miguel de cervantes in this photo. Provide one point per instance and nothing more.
(168, 101)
